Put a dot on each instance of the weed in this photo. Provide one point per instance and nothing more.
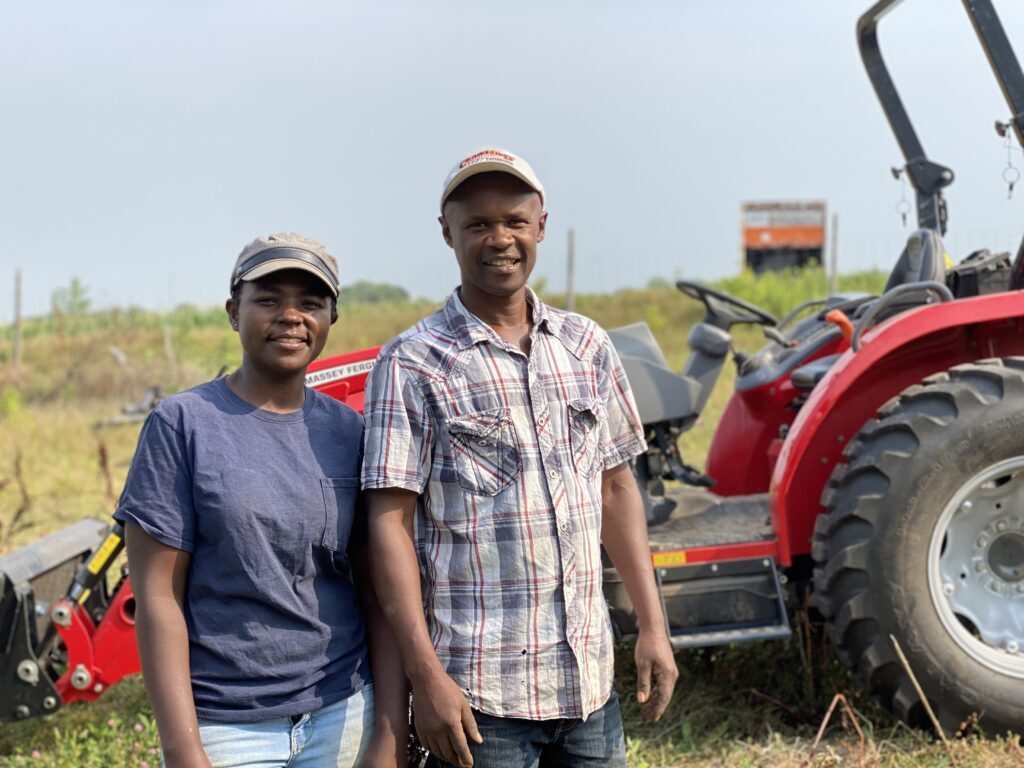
(11, 402)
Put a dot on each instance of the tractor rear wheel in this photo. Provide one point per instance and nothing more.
(923, 539)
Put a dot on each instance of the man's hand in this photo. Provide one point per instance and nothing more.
(654, 658)
(444, 719)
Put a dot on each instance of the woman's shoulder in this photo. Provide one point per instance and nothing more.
(340, 415)
(182, 407)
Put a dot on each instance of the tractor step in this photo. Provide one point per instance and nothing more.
(707, 604)
(727, 636)
(746, 588)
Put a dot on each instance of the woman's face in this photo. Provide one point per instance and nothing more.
(282, 321)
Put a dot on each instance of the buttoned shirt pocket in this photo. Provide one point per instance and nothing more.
(485, 451)
(340, 495)
(585, 418)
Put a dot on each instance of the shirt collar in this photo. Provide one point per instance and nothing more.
(470, 329)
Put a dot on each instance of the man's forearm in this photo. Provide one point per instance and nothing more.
(396, 580)
(624, 535)
(444, 720)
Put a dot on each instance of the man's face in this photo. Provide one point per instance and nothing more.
(282, 320)
(493, 222)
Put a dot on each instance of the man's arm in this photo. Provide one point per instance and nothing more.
(159, 575)
(442, 716)
(390, 688)
(624, 535)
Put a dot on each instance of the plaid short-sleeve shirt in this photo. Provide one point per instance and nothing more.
(506, 451)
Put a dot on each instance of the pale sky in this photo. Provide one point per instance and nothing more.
(142, 144)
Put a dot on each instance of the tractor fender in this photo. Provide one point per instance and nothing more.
(894, 355)
(344, 376)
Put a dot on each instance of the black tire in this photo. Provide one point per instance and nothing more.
(898, 518)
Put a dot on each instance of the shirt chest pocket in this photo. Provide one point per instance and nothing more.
(340, 496)
(485, 451)
(586, 419)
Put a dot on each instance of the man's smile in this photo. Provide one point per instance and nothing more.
(503, 263)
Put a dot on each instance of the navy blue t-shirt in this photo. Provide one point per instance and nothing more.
(265, 503)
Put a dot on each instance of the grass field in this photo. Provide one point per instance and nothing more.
(754, 705)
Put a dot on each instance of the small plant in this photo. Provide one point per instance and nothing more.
(11, 402)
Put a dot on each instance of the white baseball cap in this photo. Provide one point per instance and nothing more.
(488, 160)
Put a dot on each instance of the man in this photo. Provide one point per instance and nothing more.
(498, 436)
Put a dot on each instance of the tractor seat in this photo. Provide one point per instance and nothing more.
(923, 259)
(807, 376)
(661, 394)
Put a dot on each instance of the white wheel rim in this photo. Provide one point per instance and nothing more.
(976, 567)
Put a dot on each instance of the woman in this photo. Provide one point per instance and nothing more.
(244, 539)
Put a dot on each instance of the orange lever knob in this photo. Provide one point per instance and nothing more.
(839, 318)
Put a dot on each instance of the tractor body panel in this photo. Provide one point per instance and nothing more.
(895, 355)
(749, 436)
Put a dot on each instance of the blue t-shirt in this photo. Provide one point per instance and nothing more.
(265, 503)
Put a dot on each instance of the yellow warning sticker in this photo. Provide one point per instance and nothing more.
(668, 559)
(98, 561)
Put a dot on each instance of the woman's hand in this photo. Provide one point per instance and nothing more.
(383, 752)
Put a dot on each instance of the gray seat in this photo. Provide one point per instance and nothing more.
(661, 394)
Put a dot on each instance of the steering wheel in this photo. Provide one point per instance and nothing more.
(725, 310)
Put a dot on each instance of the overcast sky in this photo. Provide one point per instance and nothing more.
(142, 144)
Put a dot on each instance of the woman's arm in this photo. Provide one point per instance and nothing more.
(158, 575)
(390, 688)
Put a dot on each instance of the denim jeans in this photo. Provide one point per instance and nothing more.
(333, 737)
(513, 743)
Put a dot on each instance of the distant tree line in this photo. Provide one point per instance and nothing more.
(366, 292)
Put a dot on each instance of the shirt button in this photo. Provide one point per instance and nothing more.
(481, 442)
(563, 526)
(531, 368)
(542, 420)
(552, 473)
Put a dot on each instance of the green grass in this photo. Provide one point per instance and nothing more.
(753, 705)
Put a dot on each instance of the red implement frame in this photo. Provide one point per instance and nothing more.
(99, 655)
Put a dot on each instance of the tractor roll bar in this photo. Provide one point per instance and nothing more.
(928, 178)
(1001, 58)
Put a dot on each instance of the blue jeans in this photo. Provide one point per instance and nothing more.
(513, 743)
(333, 737)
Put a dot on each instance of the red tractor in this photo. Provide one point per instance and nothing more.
(872, 454)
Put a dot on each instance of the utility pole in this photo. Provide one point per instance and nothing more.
(570, 291)
(833, 267)
(16, 352)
